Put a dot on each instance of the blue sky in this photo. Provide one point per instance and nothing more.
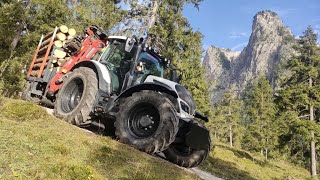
(228, 23)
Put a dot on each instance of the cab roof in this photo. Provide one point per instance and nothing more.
(118, 37)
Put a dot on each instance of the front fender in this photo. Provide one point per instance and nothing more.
(147, 86)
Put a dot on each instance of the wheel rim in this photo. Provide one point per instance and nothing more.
(72, 95)
(143, 120)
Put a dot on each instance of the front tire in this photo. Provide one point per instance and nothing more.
(147, 121)
(77, 96)
(185, 156)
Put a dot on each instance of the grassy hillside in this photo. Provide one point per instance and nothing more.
(35, 145)
(232, 163)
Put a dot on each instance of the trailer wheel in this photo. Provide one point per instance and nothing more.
(147, 121)
(77, 96)
(181, 154)
(26, 95)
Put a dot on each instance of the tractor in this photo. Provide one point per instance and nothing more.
(125, 84)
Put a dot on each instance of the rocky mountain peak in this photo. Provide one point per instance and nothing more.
(264, 18)
(270, 43)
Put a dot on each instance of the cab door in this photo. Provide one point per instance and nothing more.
(118, 62)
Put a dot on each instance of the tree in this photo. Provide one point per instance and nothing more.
(227, 118)
(175, 38)
(259, 118)
(301, 91)
(23, 22)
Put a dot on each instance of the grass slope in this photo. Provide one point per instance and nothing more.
(232, 163)
(35, 145)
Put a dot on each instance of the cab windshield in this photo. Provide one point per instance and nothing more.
(152, 66)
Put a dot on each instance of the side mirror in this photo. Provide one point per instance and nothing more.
(129, 44)
(179, 78)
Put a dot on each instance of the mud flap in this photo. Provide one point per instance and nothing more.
(198, 137)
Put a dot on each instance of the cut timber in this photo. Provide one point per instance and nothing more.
(72, 32)
(48, 36)
(61, 36)
(54, 58)
(58, 43)
(37, 66)
(51, 67)
(59, 53)
(46, 42)
(39, 60)
(64, 29)
(69, 37)
(34, 73)
(43, 50)
(61, 61)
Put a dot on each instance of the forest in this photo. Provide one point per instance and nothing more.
(274, 124)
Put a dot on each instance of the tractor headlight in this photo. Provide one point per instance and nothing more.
(186, 96)
(185, 107)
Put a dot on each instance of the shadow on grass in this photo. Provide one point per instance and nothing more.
(224, 169)
(119, 161)
(123, 162)
(243, 154)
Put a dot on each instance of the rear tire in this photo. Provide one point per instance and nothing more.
(77, 96)
(185, 156)
(147, 121)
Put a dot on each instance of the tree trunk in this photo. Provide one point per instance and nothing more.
(215, 133)
(17, 37)
(313, 149)
(153, 14)
(266, 154)
(152, 20)
(230, 135)
(266, 150)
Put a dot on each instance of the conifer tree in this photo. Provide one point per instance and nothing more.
(301, 94)
(259, 118)
(226, 121)
(178, 41)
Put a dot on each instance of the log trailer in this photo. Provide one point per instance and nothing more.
(120, 80)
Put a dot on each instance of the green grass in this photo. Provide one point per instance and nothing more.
(35, 145)
(232, 163)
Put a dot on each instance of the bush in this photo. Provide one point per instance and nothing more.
(22, 111)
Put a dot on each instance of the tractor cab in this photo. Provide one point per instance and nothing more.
(130, 63)
(117, 60)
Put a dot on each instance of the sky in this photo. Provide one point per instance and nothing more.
(228, 23)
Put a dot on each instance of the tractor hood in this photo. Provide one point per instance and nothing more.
(185, 99)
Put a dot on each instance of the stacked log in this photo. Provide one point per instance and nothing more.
(59, 56)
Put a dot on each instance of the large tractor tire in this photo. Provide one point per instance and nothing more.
(147, 121)
(77, 96)
(185, 156)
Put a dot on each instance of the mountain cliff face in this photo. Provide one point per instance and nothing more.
(269, 45)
